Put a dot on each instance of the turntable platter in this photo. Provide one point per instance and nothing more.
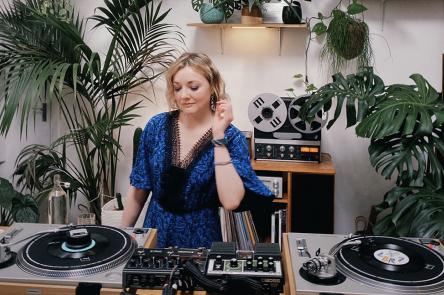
(79, 251)
(392, 263)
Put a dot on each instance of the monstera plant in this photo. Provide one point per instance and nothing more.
(44, 57)
(14, 206)
(405, 126)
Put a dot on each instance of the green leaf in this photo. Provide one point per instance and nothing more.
(416, 212)
(405, 109)
(337, 13)
(319, 28)
(25, 209)
(289, 89)
(7, 193)
(196, 4)
(298, 76)
(365, 88)
(355, 8)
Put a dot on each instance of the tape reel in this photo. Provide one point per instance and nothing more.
(267, 112)
(300, 125)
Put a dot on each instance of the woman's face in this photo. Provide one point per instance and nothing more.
(191, 91)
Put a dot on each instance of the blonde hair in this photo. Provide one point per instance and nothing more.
(201, 63)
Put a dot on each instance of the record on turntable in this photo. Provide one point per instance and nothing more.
(392, 263)
(76, 251)
(369, 265)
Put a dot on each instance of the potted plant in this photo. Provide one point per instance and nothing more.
(14, 206)
(346, 36)
(252, 11)
(404, 124)
(215, 11)
(44, 56)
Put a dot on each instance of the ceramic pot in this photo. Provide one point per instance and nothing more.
(210, 14)
(251, 17)
(289, 16)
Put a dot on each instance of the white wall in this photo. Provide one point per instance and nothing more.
(411, 40)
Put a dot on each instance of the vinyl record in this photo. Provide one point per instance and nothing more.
(392, 263)
(267, 112)
(77, 251)
(300, 125)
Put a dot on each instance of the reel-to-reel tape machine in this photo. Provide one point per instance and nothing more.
(279, 132)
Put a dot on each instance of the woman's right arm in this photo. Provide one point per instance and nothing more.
(134, 202)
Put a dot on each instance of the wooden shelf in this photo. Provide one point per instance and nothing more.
(291, 171)
(239, 25)
(283, 201)
(223, 26)
(325, 167)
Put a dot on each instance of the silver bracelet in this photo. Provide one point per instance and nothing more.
(222, 163)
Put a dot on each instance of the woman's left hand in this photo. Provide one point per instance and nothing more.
(223, 116)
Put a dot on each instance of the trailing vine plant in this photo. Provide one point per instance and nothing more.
(346, 37)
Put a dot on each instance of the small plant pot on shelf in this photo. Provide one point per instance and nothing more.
(293, 14)
(210, 14)
(251, 17)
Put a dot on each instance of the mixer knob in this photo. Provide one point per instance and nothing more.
(271, 266)
(260, 265)
(260, 258)
(282, 148)
(219, 259)
(268, 148)
(249, 264)
(233, 262)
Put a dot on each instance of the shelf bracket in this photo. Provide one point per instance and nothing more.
(222, 33)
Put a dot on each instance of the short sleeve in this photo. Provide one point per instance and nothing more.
(141, 173)
(256, 193)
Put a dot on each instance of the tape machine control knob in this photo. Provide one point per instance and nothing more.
(282, 148)
(282, 155)
(291, 149)
(269, 155)
(268, 148)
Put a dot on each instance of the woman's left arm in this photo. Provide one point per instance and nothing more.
(230, 187)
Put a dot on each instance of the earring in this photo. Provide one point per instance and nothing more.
(213, 102)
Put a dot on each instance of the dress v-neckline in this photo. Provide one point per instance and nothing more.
(193, 153)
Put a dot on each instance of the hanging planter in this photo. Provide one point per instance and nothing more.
(347, 37)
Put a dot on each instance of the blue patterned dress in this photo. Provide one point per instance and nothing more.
(190, 219)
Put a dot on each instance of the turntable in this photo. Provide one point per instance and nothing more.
(59, 255)
(322, 264)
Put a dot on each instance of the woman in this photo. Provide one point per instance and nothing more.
(192, 160)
